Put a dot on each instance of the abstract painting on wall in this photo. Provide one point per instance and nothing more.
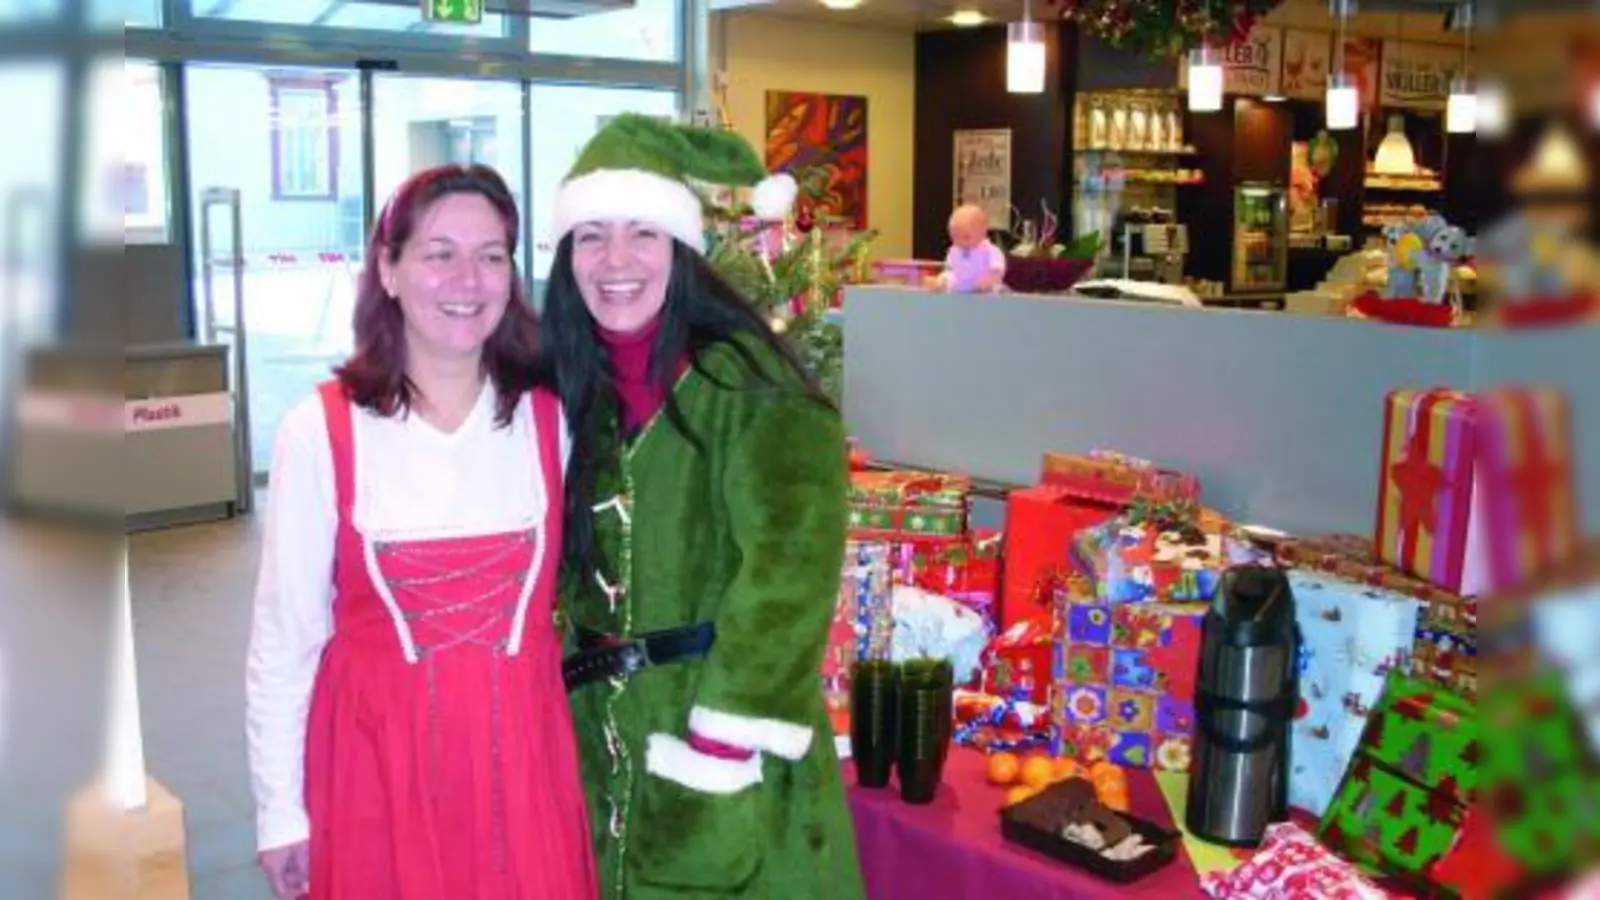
(824, 135)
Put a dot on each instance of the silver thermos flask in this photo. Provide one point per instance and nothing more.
(1245, 696)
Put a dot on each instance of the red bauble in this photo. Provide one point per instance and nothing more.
(804, 222)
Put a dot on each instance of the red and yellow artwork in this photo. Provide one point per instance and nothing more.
(825, 134)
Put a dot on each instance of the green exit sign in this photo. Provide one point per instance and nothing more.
(463, 12)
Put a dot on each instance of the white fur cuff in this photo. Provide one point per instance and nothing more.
(676, 761)
(782, 739)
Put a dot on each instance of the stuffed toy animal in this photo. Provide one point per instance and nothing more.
(1447, 245)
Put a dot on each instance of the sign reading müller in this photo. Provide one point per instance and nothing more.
(164, 413)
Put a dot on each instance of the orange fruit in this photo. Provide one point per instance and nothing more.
(1038, 771)
(1117, 800)
(1003, 768)
(1020, 793)
(1104, 768)
(1067, 767)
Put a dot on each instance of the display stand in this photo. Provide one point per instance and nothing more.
(125, 834)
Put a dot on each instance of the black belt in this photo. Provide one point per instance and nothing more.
(601, 657)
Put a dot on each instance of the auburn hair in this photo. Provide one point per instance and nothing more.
(375, 374)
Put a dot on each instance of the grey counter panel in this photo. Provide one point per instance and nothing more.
(1280, 415)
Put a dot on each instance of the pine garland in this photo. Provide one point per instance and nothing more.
(1166, 28)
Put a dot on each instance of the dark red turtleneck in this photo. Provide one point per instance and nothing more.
(630, 356)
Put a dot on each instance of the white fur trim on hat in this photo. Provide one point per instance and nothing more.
(673, 759)
(631, 194)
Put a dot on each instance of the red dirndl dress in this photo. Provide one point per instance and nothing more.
(440, 761)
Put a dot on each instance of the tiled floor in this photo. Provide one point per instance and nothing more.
(191, 598)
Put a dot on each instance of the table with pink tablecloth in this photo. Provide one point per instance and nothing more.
(952, 849)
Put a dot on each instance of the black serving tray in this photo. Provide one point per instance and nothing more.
(1022, 823)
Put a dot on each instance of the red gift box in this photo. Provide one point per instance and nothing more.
(1041, 523)
(966, 570)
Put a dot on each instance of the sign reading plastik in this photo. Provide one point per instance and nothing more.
(188, 411)
(1417, 75)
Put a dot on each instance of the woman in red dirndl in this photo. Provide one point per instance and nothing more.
(410, 737)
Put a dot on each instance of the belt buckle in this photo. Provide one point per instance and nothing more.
(635, 657)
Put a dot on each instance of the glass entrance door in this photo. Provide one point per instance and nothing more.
(420, 122)
(277, 152)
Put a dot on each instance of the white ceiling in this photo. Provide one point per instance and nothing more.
(924, 15)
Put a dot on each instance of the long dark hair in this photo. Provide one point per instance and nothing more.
(375, 374)
(701, 310)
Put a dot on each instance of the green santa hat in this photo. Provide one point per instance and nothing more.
(638, 167)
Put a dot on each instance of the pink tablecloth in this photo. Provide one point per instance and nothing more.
(952, 848)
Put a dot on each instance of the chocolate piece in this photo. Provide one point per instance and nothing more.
(1114, 828)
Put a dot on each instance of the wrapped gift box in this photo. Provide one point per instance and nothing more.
(862, 626)
(1016, 665)
(905, 504)
(966, 570)
(1125, 680)
(1041, 523)
(1403, 800)
(1291, 865)
(1537, 771)
(1352, 634)
(993, 724)
(1475, 490)
(1445, 646)
(1132, 558)
(1112, 479)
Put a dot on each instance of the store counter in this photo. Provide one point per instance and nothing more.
(952, 848)
(1279, 415)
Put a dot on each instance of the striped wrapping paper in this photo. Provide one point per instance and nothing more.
(1475, 490)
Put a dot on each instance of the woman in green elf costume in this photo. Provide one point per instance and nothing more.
(705, 535)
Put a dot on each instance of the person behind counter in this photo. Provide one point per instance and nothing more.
(974, 264)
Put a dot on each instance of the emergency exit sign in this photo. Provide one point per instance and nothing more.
(464, 12)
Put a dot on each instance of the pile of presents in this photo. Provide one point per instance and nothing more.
(1095, 596)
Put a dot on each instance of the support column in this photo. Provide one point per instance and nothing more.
(699, 103)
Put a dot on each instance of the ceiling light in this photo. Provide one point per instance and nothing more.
(1491, 117)
(1461, 113)
(1025, 58)
(1205, 80)
(1395, 156)
(967, 18)
(1274, 98)
(841, 4)
(1343, 102)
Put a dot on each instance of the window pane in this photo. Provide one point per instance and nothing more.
(646, 31)
(30, 191)
(302, 222)
(373, 15)
(17, 12)
(134, 13)
(564, 118)
(132, 179)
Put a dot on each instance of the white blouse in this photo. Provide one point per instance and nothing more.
(412, 481)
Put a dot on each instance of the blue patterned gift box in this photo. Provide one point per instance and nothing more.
(868, 582)
(1353, 634)
(1124, 680)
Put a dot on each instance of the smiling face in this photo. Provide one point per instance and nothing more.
(452, 277)
(622, 269)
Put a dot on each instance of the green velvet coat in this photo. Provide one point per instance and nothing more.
(750, 536)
